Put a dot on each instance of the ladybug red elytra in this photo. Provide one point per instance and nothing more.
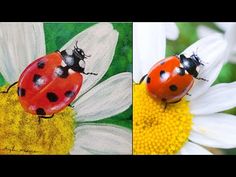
(51, 83)
(170, 79)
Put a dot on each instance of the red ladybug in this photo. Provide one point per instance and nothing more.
(170, 79)
(51, 83)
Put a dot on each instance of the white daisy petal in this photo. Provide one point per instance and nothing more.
(99, 41)
(218, 98)
(203, 31)
(149, 46)
(172, 31)
(216, 130)
(232, 57)
(230, 36)
(193, 149)
(211, 51)
(20, 44)
(224, 25)
(102, 139)
(108, 98)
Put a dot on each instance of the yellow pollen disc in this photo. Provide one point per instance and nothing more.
(157, 130)
(21, 132)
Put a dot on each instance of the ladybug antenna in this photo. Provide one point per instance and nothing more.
(76, 45)
(86, 56)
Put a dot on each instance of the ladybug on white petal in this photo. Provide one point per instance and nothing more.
(51, 83)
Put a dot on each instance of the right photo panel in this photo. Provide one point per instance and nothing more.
(184, 88)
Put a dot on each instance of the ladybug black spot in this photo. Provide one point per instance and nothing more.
(41, 64)
(20, 91)
(62, 72)
(52, 97)
(162, 73)
(69, 94)
(173, 88)
(180, 71)
(148, 80)
(37, 80)
(40, 111)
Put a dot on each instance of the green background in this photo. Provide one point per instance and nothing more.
(57, 34)
(188, 35)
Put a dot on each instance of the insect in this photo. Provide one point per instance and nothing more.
(170, 79)
(51, 83)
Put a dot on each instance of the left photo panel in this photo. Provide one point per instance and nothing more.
(66, 88)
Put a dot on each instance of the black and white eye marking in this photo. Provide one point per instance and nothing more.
(38, 80)
(82, 63)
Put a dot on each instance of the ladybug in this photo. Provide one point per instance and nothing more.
(51, 83)
(170, 79)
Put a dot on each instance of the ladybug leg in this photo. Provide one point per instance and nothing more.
(199, 78)
(188, 94)
(164, 101)
(174, 102)
(9, 87)
(70, 105)
(90, 73)
(142, 79)
(167, 103)
(45, 117)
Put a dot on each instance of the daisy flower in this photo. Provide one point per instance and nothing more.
(228, 30)
(71, 131)
(195, 123)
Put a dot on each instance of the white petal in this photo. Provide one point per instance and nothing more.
(218, 98)
(230, 36)
(193, 149)
(204, 31)
(108, 98)
(211, 51)
(102, 139)
(149, 43)
(99, 41)
(172, 31)
(20, 44)
(232, 57)
(216, 130)
(224, 25)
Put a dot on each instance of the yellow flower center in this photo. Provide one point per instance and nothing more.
(21, 132)
(157, 130)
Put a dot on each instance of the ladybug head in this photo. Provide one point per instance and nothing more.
(79, 53)
(74, 59)
(191, 64)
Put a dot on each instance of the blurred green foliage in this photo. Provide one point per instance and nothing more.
(57, 34)
(188, 35)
